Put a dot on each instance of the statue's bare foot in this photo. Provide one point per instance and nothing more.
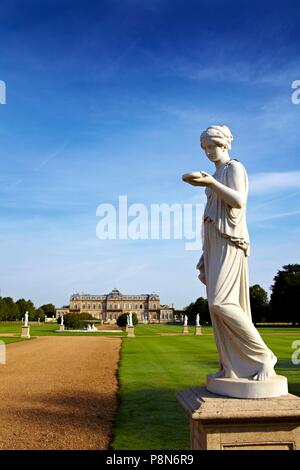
(264, 373)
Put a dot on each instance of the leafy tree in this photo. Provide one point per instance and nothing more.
(25, 306)
(122, 319)
(39, 314)
(8, 309)
(75, 321)
(259, 304)
(285, 297)
(201, 307)
(48, 309)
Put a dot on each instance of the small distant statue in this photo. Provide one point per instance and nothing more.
(89, 327)
(93, 327)
(197, 319)
(130, 323)
(26, 319)
(185, 320)
(62, 320)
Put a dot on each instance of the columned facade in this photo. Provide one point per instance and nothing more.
(109, 306)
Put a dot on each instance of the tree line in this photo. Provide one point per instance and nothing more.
(283, 306)
(14, 311)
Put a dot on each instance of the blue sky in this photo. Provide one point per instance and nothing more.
(109, 98)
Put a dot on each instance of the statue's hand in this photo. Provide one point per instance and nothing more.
(198, 178)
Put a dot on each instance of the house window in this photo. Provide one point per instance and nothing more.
(125, 306)
(75, 306)
(89, 306)
(136, 306)
(119, 306)
(115, 306)
(154, 306)
(94, 306)
(141, 306)
(99, 306)
(110, 306)
(83, 306)
(130, 306)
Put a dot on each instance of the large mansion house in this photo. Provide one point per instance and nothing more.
(108, 307)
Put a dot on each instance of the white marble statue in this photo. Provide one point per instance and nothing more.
(26, 319)
(197, 319)
(62, 320)
(130, 319)
(185, 323)
(223, 265)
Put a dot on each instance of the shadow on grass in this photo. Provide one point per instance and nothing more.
(151, 419)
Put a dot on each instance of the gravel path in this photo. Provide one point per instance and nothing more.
(59, 393)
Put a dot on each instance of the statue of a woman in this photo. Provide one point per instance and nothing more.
(223, 265)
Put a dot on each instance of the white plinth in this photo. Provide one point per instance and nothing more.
(130, 332)
(25, 332)
(246, 388)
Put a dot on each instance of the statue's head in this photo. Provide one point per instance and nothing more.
(216, 141)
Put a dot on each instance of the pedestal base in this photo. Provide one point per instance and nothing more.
(130, 332)
(25, 332)
(198, 330)
(185, 330)
(244, 388)
(61, 327)
(221, 423)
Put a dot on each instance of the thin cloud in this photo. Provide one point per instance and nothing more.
(261, 183)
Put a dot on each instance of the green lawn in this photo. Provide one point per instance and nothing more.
(153, 368)
(45, 329)
(8, 340)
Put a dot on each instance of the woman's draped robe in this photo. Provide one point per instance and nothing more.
(224, 269)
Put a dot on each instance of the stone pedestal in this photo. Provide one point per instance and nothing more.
(126, 329)
(276, 386)
(61, 327)
(221, 423)
(130, 332)
(185, 330)
(198, 330)
(25, 332)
